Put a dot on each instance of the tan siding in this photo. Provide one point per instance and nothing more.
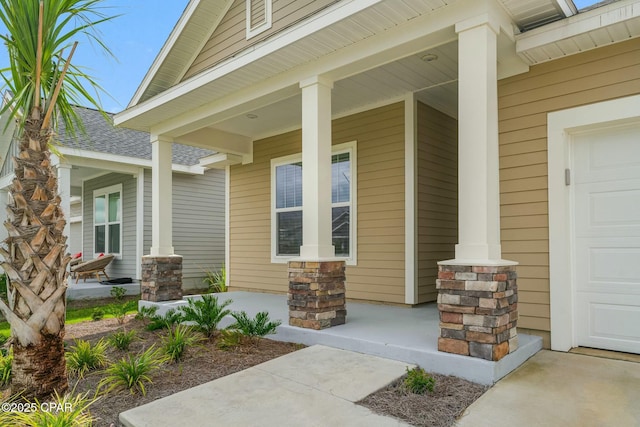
(524, 102)
(437, 196)
(379, 274)
(229, 37)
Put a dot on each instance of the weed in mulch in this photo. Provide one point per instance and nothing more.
(440, 408)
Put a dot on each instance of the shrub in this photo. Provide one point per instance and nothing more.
(119, 311)
(206, 313)
(97, 314)
(259, 326)
(216, 280)
(171, 317)
(418, 381)
(118, 292)
(229, 338)
(145, 313)
(121, 339)
(6, 360)
(133, 372)
(62, 411)
(177, 340)
(83, 357)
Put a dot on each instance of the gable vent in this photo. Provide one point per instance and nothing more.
(258, 16)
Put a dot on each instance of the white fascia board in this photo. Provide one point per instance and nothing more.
(323, 19)
(567, 7)
(117, 163)
(6, 181)
(368, 54)
(581, 23)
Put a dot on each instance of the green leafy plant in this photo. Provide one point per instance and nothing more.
(122, 339)
(418, 381)
(83, 357)
(177, 340)
(118, 293)
(216, 280)
(206, 313)
(259, 326)
(119, 311)
(170, 318)
(6, 360)
(97, 314)
(133, 372)
(68, 410)
(229, 338)
(145, 313)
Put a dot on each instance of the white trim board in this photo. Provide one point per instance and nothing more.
(560, 127)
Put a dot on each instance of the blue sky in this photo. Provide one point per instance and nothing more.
(135, 38)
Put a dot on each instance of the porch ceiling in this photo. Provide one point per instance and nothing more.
(434, 82)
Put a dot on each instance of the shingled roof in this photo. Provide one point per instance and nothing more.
(102, 137)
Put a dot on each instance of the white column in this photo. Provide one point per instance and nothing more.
(64, 190)
(316, 169)
(161, 197)
(139, 221)
(478, 168)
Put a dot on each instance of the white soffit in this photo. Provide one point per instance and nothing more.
(613, 23)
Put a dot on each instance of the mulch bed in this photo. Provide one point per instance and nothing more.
(205, 362)
(441, 408)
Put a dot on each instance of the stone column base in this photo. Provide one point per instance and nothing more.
(478, 310)
(161, 278)
(316, 296)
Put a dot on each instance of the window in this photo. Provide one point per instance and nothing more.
(258, 17)
(286, 175)
(107, 220)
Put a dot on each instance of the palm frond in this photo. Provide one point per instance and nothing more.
(64, 22)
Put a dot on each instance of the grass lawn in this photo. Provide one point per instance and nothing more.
(74, 315)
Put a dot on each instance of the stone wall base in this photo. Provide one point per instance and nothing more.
(316, 296)
(161, 278)
(478, 310)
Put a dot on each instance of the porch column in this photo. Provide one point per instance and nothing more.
(162, 269)
(316, 280)
(64, 190)
(477, 290)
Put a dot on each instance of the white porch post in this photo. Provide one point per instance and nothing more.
(64, 190)
(161, 270)
(320, 302)
(478, 319)
(316, 169)
(161, 197)
(478, 180)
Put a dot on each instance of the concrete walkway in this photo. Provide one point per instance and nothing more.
(561, 389)
(315, 386)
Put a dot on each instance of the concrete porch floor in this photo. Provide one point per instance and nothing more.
(92, 289)
(404, 334)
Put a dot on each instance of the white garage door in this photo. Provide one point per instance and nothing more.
(606, 210)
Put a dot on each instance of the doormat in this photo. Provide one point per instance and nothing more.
(122, 281)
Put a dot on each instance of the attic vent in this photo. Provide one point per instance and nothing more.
(258, 17)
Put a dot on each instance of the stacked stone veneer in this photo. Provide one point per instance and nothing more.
(161, 278)
(478, 310)
(316, 296)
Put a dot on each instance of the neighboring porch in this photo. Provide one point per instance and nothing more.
(405, 334)
(93, 289)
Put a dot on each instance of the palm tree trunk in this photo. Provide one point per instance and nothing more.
(36, 262)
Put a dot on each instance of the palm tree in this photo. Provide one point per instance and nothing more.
(45, 86)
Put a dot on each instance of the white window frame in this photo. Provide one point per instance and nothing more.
(347, 147)
(105, 192)
(264, 26)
